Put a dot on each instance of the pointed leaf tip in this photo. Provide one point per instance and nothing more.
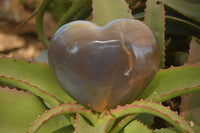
(156, 12)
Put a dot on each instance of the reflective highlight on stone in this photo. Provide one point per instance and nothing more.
(102, 67)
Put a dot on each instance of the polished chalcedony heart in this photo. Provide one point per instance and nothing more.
(102, 67)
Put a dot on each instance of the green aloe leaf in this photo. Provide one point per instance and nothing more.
(137, 127)
(67, 108)
(180, 58)
(175, 25)
(165, 113)
(173, 82)
(66, 129)
(39, 22)
(155, 19)
(83, 13)
(105, 11)
(73, 12)
(123, 123)
(82, 126)
(31, 74)
(135, 108)
(190, 10)
(63, 5)
(146, 119)
(194, 1)
(181, 26)
(166, 130)
(48, 99)
(194, 53)
(190, 108)
(197, 129)
(18, 109)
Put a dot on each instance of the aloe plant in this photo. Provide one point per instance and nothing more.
(32, 101)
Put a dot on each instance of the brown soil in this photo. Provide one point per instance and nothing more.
(27, 46)
(21, 41)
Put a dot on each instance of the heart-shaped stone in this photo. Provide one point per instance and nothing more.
(102, 67)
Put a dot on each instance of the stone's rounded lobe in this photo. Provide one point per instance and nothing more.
(102, 67)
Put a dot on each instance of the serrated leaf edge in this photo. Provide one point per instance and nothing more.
(176, 93)
(107, 123)
(162, 64)
(142, 105)
(138, 121)
(122, 121)
(14, 58)
(62, 109)
(56, 102)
